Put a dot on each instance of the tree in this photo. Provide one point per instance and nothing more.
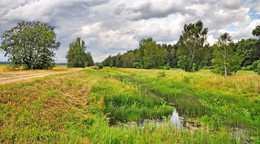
(256, 31)
(250, 48)
(191, 49)
(31, 45)
(89, 60)
(225, 60)
(171, 57)
(76, 56)
(140, 52)
(153, 55)
(119, 60)
(129, 59)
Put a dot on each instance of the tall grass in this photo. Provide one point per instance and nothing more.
(216, 109)
(45, 110)
(77, 107)
(123, 104)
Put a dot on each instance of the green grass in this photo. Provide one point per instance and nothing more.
(79, 107)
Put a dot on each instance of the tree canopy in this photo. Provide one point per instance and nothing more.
(191, 49)
(256, 31)
(30, 45)
(225, 60)
(76, 56)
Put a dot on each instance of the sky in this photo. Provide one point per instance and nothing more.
(115, 26)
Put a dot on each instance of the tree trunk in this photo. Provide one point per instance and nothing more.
(225, 66)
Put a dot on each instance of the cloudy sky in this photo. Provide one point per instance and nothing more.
(112, 26)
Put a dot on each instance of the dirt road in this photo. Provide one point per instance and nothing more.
(6, 77)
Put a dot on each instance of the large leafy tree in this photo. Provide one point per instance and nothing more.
(76, 56)
(129, 59)
(31, 45)
(154, 55)
(140, 52)
(191, 47)
(119, 60)
(171, 57)
(225, 60)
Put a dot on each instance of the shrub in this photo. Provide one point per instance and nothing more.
(161, 74)
(100, 66)
(166, 67)
(256, 66)
(137, 65)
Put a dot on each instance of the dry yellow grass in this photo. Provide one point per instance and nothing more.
(3, 68)
(243, 82)
(47, 106)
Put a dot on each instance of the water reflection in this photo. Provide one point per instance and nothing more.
(175, 119)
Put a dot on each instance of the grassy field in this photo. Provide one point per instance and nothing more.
(106, 106)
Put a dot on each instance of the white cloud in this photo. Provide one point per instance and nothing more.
(231, 4)
(112, 26)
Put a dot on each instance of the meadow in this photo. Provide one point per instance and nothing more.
(107, 106)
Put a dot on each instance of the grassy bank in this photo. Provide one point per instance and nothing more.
(79, 107)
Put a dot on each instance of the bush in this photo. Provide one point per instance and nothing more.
(100, 66)
(137, 65)
(161, 74)
(256, 66)
(166, 67)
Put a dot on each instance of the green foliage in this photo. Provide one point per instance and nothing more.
(226, 61)
(256, 31)
(166, 67)
(122, 104)
(149, 55)
(191, 49)
(153, 55)
(31, 45)
(76, 56)
(250, 48)
(256, 67)
(215, 108)
(161, 74)
(119, 60)
(171, 54)
(100, 66)
(129, 59)
(137, 65)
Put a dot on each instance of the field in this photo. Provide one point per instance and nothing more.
(116, 105)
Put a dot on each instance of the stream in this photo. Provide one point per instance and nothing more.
(174, 119)
(183, 123)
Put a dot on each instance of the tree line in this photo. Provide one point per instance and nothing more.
(31, 45)
(192, 53)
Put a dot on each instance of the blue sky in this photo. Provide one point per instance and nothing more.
(112, 26)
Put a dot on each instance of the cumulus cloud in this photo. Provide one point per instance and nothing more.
(112, 26)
